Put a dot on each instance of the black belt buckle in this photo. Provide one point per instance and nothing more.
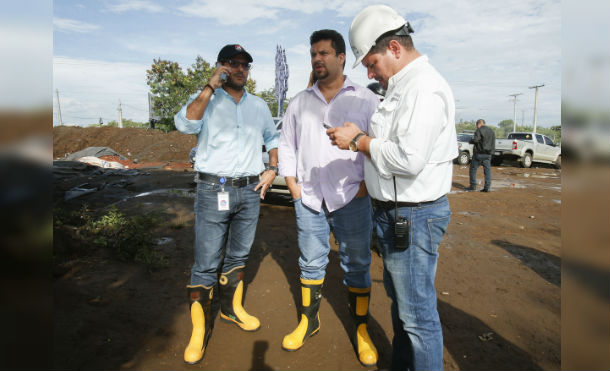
(239, 182)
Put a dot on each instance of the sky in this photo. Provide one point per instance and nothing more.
(486, 49)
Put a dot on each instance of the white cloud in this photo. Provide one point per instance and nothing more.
(239, 12)
(128, 5)
(72, 25)
(145, 44)
(300, 49)
(90, 89)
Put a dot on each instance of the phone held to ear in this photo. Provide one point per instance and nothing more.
(223, 76)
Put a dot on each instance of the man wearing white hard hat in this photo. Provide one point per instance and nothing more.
(408, 171)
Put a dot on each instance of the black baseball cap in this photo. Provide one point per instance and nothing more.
(231, 50)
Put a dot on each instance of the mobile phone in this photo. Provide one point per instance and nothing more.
(326, 126)
(401, 233)
(223, 76)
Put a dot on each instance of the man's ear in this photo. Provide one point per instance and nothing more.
(341, 57)
(395, 49)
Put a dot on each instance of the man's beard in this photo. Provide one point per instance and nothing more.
(321, 74)
(233, 85)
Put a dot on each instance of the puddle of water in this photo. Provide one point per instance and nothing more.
(180, 192)
(506, 184)
(164, 240)
(175, 192)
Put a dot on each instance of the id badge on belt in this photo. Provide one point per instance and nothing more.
(223, 197)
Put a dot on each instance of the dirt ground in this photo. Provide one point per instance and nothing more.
(498, 278)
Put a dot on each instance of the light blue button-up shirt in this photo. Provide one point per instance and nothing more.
(230, 135)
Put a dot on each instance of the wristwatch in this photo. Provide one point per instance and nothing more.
(353, 145)
(272, 168)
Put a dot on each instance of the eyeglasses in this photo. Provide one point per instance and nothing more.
(236, 64)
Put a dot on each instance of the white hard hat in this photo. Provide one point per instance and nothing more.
(372, 22)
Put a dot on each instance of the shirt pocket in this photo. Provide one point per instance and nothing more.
(383, 116)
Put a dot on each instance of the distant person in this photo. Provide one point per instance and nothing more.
(327, 186)
(409, 149)
(484, 141)
(232, 125)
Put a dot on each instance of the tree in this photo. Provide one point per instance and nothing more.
(504, 127)
(466, 125)
(171, 87)
(269, 97)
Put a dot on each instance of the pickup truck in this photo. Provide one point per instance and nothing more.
(521, 147)
(464, 147)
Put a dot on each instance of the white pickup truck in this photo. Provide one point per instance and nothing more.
(521, 147)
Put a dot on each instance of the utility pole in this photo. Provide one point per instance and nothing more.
(514, 110)
(120, 115)
(58, 108)
(536, 105)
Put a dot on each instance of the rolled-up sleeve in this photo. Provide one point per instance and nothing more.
(270, 135)
(185, 125)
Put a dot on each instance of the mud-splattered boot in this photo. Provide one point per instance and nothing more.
(359, 307)
(311, 292)
(231, 291)
(200, 299)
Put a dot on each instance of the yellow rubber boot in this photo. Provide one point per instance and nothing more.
(231, 295)
(359, 306)
(200, 299)
(311, 293)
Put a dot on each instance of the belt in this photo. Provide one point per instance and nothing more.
(233, 182)
(386, 205)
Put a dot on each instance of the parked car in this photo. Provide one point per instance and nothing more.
(522, 147)
(465, 149)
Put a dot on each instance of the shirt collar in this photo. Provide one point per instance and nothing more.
(228, 96)
(421, 60)
(347, 84)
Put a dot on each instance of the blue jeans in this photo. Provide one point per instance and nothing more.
(409, 281)
(480, 159)
(351, 226)
(232, 230)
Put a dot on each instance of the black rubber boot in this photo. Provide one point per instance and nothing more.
(200, 299)
(231, 291)
(311, 292)
(359, 307)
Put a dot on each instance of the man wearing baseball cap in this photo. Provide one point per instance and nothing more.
(408, 171)
(231, 126)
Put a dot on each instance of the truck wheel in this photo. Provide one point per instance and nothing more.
(496, 160)
(558, 162)
(526, 161)
(463, 158)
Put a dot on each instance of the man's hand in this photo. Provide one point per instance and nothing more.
(343, 135)
(265, 183)
(293, 187)
(215, 80)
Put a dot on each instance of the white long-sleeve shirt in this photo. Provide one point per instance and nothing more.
(414, 137)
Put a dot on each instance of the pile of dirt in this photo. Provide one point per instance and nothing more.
(138, 145)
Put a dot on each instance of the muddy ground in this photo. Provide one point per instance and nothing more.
(498, 279)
